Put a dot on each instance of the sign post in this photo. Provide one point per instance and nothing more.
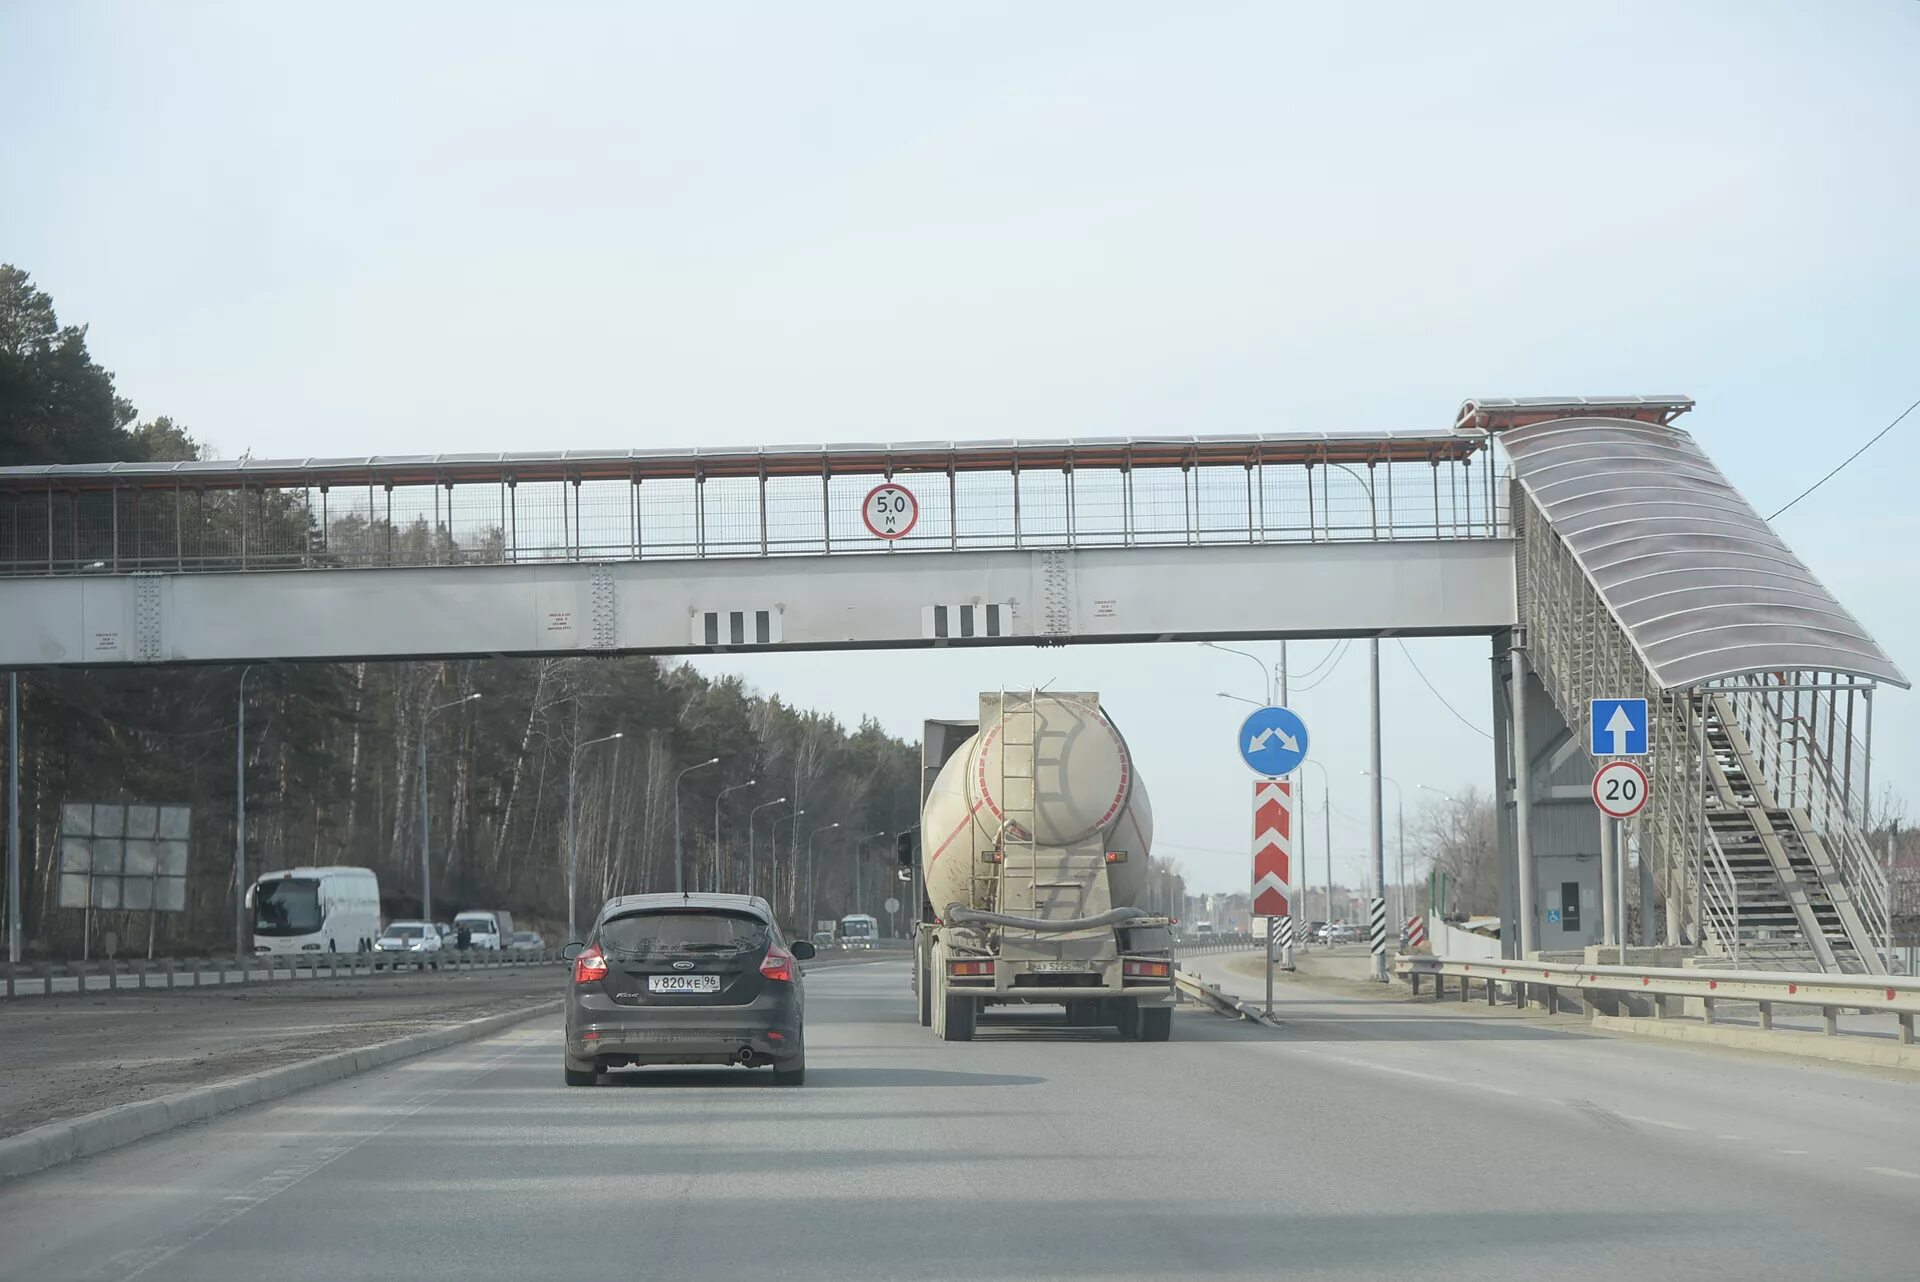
(1272, 859)
(1619, 791)
(1273, 742)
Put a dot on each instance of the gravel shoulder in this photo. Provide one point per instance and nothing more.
(61, 1057)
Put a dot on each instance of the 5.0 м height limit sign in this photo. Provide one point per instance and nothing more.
(890, 511)
(1272, 847)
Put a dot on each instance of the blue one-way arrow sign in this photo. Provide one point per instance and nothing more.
(1619, 728)
(1273, 741)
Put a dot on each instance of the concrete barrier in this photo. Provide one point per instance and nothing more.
(84, 1136)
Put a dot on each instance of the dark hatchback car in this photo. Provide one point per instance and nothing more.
(686, 979)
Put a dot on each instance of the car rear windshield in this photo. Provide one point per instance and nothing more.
(406, 932)
(680, 931)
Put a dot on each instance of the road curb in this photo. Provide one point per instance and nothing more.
(1874, 1052)
(110, 1128)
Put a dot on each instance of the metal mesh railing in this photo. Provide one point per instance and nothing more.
(164, 526)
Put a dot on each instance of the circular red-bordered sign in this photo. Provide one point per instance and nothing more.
(890, 511)
(1620, 789)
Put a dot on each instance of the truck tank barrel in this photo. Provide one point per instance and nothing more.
(1066, 773)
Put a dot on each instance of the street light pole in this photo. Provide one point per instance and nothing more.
(810, 836)
(426, 812)
(751, 815)
(1450, 800)
(1399, 843)
(718, 798)
(239, 821)
(1377, 826)
(1266, 676)
(679, 859)
(13, 817)
(859, 851)
(573, 768)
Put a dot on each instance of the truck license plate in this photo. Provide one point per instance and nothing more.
(683, 983)
(1061, 967)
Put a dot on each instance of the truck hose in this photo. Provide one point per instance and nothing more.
(962, 916)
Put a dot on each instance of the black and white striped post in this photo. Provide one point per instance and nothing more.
(1377, 929)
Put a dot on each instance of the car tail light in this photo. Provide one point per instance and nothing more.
(777, 965)
(590, 966)
(1144, 970)
(970, 968)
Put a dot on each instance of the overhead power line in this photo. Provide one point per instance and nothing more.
(1849, 458)
(1436, 693)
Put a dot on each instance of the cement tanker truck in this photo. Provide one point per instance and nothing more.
(1031, 860)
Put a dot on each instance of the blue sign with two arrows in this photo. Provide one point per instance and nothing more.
(1273, 741)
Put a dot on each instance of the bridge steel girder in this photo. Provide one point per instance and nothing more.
(1142, 593)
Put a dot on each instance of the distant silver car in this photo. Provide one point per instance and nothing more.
(527, 941)
(415, 943)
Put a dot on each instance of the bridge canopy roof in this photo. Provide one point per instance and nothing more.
(1700, 582)
(1245, 449)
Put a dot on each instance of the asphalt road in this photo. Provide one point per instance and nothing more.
(1365, 1139)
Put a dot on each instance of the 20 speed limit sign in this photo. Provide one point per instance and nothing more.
(890, 511)
(1620, 789)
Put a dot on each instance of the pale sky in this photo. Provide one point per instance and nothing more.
(347, 228)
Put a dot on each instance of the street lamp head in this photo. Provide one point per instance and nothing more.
(618, 734)
(711, 761)
(475, 695)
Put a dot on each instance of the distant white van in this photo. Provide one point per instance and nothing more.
(489, 928)
(315, 910)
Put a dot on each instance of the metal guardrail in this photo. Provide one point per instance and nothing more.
(1196, 945)
(49, 978)
(1218, 1000)
(1627, 986)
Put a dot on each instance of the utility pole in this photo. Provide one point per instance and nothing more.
(240, 822)
(426, 812)
(859, 853)
(573, 768)
(679, 856)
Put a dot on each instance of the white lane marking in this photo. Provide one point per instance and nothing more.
(1655, 1121)
(1738, 1139)
(1792, 1152)
(1893, 1170)
(141, 1259)
(1497, 1090)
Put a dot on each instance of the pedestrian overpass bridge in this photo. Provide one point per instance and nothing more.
(1591, 539)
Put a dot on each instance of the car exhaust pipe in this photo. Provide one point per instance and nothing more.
(744, 1057)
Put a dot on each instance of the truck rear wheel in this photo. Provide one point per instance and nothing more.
(925, 985)
(1080, 1014)
(1155, 1023)
(960, 1014)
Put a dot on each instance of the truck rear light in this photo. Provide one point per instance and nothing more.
(1145, 970)
(590, 966)
(777, 965)
(1116, 856)
(970, 968)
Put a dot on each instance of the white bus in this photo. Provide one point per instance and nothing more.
(315, 910)
(858, 930)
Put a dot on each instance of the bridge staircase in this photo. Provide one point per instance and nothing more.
(1754, 829)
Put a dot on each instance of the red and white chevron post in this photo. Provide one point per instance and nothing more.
(1272, 847)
